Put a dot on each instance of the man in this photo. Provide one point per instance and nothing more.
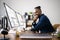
(43, 23)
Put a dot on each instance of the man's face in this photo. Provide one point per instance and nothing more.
(38, 12)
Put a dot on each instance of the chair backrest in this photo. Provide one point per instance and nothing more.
(56, 26)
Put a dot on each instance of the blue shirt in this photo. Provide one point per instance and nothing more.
(43, 25)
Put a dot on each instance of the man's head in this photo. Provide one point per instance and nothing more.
(38, 10)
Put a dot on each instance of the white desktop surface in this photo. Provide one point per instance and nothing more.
(43, 37)
(33, 35)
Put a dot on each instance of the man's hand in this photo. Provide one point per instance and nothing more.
(35, 18)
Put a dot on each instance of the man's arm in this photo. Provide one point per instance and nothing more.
(40, 24)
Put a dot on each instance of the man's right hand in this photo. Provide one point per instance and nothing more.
(35, 18)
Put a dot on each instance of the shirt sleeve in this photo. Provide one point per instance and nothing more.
(40, 24)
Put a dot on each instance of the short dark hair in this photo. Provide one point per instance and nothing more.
(38, 7)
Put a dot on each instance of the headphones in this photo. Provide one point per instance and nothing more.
(4, 23)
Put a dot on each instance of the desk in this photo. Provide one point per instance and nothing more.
(13, 37)
(28, 35)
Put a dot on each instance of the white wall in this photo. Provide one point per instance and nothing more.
(51, 8)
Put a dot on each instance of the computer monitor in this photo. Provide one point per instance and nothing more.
(16, 19)
(22, 21)
(11, 15)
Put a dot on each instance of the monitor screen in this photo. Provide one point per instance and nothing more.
(21, 20)
(11, 14)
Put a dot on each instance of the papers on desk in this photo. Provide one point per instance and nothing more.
(28, 28)
(12, 31)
